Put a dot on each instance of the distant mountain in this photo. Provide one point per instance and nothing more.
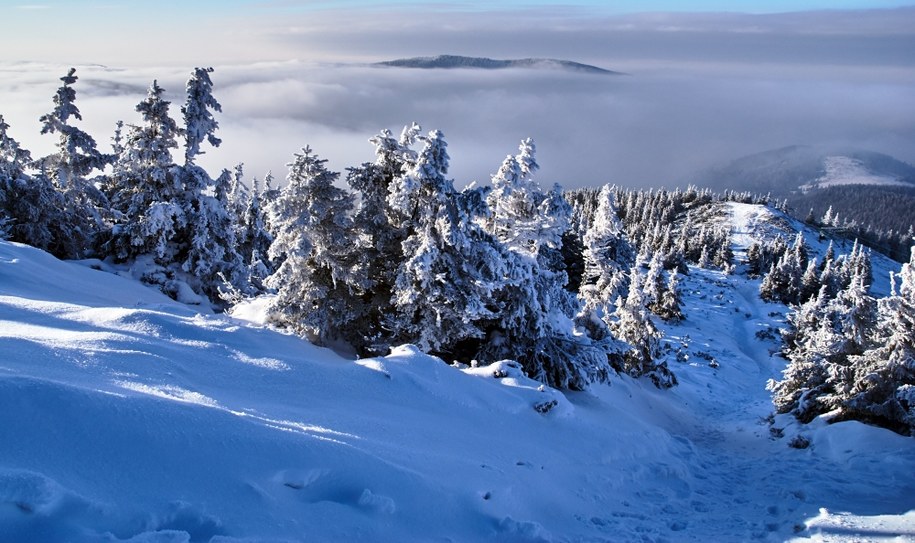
(798, 168)
(455, 61)
(870, 188)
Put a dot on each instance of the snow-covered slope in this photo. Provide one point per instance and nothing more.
(844, 170)
(786, 170)
(127, 416)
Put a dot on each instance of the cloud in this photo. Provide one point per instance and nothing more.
(701, 89)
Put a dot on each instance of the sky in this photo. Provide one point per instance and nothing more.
(705, 83)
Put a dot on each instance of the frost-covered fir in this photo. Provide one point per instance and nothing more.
(79, 219)
(317, 281)
(379, 233)
(254, 240)
(210, 253)
(632, 323)
(444, 291)
(30, 207)
(145, 188)
(536, 328)
(851, 356)
(607, 255)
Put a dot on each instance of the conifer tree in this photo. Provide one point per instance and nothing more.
(199, 124)
(380, 236)
(317, 283)
(883, 389)
(632, 324)
(68, 169)
(535, 327)
(827, 337)
(606, 256)
(28, 204)
(254, 241)
(444, 289)
(145, 186)
(209, 252)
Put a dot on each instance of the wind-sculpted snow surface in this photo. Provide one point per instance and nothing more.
(125, 416)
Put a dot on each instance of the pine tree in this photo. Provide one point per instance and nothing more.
(254, 242)
(28, 204)
(668, 307)
(632, 324)
(200, 125)
(208, 244)
(607, 255)
(445, 287)
(810, 281)
(515, 201)
(145, 186)
(380, 237)
(317, 283)
(535, 326)
(76, 157)
(827, 337)
(883, 389)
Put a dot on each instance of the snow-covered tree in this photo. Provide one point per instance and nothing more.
(783, 281)
(668, 306)
(254, 240)
(524, 217)
(68, 169)
(536, 323)
(28, 204)
(145, 187)
(883, 389)
(632, 323)
(825, 339)
(199, 124)
(208, 245)
(607, 255)
(316, 284)
(379, 236)
(212, 256)
(444, 289)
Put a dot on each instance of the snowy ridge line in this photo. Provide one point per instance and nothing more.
(843, 170)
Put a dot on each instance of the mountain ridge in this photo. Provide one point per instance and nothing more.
(865, 188)
(458, 61)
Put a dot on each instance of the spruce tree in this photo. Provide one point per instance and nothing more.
(209, 253)
(536, 327)
(379, 234)
(444, 289)
(607, 255)
(146, 186)
(254, 241)
(28, 204)
(317, 283)
(68, 169)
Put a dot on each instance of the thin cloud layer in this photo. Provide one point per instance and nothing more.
(700, 89)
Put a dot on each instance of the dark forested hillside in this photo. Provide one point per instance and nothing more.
(886, 208)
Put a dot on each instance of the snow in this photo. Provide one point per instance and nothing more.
(843, 170)
(751, 222)
(126, 416)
